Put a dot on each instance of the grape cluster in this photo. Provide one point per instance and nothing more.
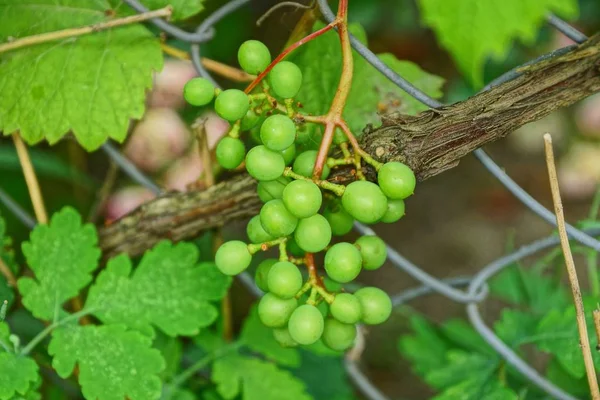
(301, 215)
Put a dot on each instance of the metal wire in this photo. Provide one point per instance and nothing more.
(477, 290)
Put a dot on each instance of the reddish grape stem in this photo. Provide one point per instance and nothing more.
(312, 270)
(287, 51)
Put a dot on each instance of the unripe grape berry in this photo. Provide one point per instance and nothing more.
(376, 305)
(233, 257)
(284, 280)
(373, 251)
(198, 91)
(341, 222)
(285, 79)
(346, 308)
(313, 234)
(397, 180)
(302, 198)
(230, 152)
(305, 163)
(283, 337)
(254, 57)
(255, 231)
(274, 311)
(262, 272)
(232, 104)
(306, 324)
(289, 154)
(337, 335)
(294, 249)
(343, 262)
(250, 120)
(395, 211)
(264, 164)
(276, 219)
(278, 132)
(364, 201)
(270, 190)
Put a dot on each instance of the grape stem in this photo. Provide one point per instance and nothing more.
(314, 277)
(334, 187)
(254, 248)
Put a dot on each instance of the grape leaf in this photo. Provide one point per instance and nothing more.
(469, 376)
(425, 348)
(515, 327)
(325, 377)
(255, 379)
(182, 9)
(168, 289)
(557, 334)
(171, 350)
(473, 30)
(114, 363)
(18, 374)
(259, 338)
(91, 85)
(370, 89)
(62, 255)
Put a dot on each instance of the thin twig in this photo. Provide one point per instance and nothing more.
(8, 274)
(596, 314)
(278, 6)
(104, 192)
(30, 178)
(584, 340)
(224, 70)
(199, 128)
(84, 30)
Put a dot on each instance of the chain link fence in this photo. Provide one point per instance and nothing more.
(470, 291)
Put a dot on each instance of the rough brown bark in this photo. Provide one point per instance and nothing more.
(430, 143)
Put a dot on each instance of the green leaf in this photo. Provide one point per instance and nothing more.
(325, 377)
(557, 334)
(182, 9)
(8, 257)
(462, 333)
(370, 89)
(469, 376)
(114, 363)
(574, 386)
(168, 289)
(18, 374)
(171, 350)
(473, 30)
(259, 338)
(515, 327)
(255, 379)
(91, 85)
(425, 348)
(62, 255)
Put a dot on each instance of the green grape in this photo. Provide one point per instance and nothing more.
(343, 262)
(306, 324)
(254, 57)
(264, 164)
(250, 120)
(278, 132)
(305, 163)
(337, 335)
(276, 219)
(270, 190)
(397, 180)
(313, 234)
(285, 79)
(284, 280)
(283, 337)
(294, 249)
(364, 201)
(232, 104)
(230, 152)
(341, 222)
(262, 272)
(346, 308)
(373, 251)
(395, 211)
(198, 91)
(233, 257)
(289, 154)
(274, 311)
(376, 305)
(302, 198)
(255, 231)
